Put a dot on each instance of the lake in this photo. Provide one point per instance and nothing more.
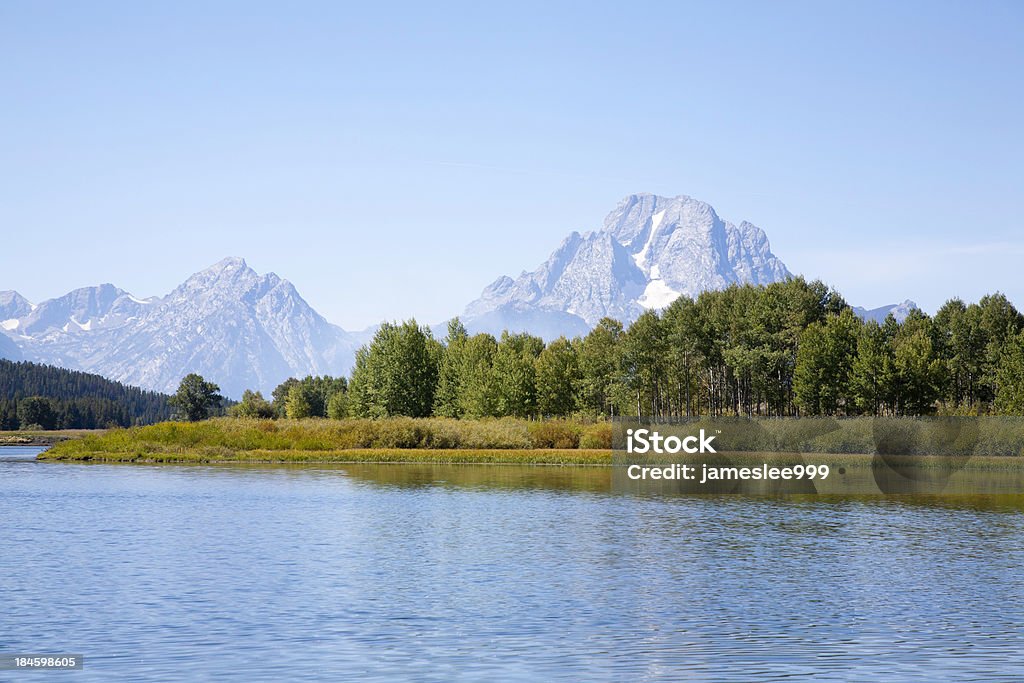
(391, 572)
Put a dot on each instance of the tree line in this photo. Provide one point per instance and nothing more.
(785, 349)
(46, 397)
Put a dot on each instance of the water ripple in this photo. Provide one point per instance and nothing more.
(203, 573)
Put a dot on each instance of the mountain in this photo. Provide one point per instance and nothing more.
(233, 326)
(8, 349)
(13, 306)
(650, 251)
(79, 311)
(899, 311)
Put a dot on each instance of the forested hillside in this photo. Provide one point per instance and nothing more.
(47, 397)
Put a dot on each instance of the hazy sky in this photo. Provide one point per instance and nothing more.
(393, 159)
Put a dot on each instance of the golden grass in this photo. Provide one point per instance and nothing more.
(452, 456)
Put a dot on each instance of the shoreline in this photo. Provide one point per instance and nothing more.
(44, 438)
(453, 456)
(558, 457)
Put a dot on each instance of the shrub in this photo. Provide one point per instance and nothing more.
(597, 436)
(554, 435)
(402, 432)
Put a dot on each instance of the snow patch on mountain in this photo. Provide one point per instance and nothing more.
(657, 295)
(233, 326)
(650, 251)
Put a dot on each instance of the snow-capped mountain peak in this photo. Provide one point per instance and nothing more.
(234, 326)
(650, 250)
(898, 311)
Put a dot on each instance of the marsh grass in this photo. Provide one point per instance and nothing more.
(960, 436)
(509, 440)
(229, 438)
(451, 456)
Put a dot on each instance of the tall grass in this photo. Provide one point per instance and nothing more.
(995, 436)
(231, 438)
(227, 435)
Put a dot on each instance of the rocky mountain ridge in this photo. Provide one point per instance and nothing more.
(244, 330)
(649, 251)
(228, 323)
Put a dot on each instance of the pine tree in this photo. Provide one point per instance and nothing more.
(36, 412)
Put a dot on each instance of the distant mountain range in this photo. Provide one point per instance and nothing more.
(898, 311)
(231, 325)
(245, 330)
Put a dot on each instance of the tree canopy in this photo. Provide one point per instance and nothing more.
(196, 397)
(788, 348)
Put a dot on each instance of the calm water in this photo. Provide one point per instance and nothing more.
(393, 572)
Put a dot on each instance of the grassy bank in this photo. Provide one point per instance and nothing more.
(451, 456)
(496, 456)
(392, 440)
(508, 440)
(947, 436)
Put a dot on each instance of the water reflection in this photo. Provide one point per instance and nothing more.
(975, 489)
(422, 572)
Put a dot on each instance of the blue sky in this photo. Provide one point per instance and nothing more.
(392, 159)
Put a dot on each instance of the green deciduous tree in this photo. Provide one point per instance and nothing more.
(642, 363)
(478, 392)
(960, 346)
(599, 367)
(449, 377)
(196, 397)
(280, 395)
(337, 406)
(253, 405)
(299, 404)
(824, 365)
(684, 330)
(557, 376)
(1009, 377)
(312, 397)
(872, 367)
(915, 379)
(397, 372)
(515, 375)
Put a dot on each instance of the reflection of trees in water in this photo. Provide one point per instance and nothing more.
(981, 487)
(544, 477)
(954, 438)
